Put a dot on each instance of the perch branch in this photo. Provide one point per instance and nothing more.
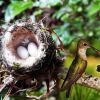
(90, 81)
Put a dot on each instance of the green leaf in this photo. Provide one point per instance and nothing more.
(16, 8)
(38, 12)
(64, 35)
(94, 8)
(64, 17)
(47, 4)
(1, 2)
(74, 1)
(61, 12)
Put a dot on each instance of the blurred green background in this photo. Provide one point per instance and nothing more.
(70, 19)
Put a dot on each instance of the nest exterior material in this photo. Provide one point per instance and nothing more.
(45, 66)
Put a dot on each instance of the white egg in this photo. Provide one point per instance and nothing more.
(22, 52)
(32, 49)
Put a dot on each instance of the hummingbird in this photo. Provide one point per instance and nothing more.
(78, 66)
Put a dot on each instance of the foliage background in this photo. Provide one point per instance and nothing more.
(70, 19)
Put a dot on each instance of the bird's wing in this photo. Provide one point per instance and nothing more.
(77, 75)
(71, 71)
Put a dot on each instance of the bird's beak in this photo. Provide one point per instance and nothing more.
(96, 50)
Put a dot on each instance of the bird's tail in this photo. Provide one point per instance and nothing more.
(68, 91)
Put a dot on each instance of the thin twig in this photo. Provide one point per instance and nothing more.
(4, 76)
(6, 82)
(6, 97)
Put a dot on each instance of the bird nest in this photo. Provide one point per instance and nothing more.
(28, 45)
(30, 54)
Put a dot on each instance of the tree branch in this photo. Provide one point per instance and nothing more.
(90, 81)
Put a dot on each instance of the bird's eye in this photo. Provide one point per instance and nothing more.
(84, 44)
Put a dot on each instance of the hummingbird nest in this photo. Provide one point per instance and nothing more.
(30, 55)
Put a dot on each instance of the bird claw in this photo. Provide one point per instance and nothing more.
(87, 77)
